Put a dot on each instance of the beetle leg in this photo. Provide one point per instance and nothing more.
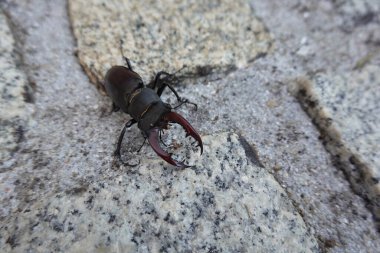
(125, 58)
(127, 125)
(157, 78)
(154, 83)
(141, 146)
(163, 83)
(179, 99)
(190, 131)
(185, 101)
(153, 141)
(161, 138)
(128, 63)
(115, 108)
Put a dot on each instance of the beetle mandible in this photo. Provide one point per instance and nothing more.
(144, 105)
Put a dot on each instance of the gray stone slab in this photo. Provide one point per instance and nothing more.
(347, 109)
(71, 149)
(256, 101)
(224, 202)
(166, 35)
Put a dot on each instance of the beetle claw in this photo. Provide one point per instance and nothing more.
(153, 138)
(190, 131)
(153, 135)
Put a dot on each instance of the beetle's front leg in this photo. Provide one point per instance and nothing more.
(153, 84)
(185, 101)
(179, 99)
(115, 108)
(127, 125)
(162, 84)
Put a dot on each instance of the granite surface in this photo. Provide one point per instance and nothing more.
(222, 203)
(167, 35)
(69, 152)
(14, 111)
(347, 109)
(259, 105)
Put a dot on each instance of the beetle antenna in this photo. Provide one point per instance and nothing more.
(125, 58)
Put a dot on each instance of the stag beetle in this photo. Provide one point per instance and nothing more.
(144, 105)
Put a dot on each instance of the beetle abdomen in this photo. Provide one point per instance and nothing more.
(120, 82)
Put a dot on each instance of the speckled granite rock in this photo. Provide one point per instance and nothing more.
(347, 109)
(271, 120)
(14, 112)
(224, 202)
(166, 35)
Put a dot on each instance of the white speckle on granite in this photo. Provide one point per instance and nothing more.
(167, 35)
(224, 202)
(347, 109)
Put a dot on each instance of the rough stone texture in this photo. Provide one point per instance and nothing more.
(69, 152)
(14, 112)
(166, 35)
(310, 37)
(254, 102)
(62, 97)
(347, 109)
(237, 206)
(66, 175)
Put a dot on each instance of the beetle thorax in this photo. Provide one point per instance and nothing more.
(146, 107)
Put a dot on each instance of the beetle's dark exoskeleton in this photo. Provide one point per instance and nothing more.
(145, 106)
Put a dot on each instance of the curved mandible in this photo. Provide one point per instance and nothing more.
(190, 131)
(154, 143)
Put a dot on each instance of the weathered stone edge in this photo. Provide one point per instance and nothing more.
(352, 164)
